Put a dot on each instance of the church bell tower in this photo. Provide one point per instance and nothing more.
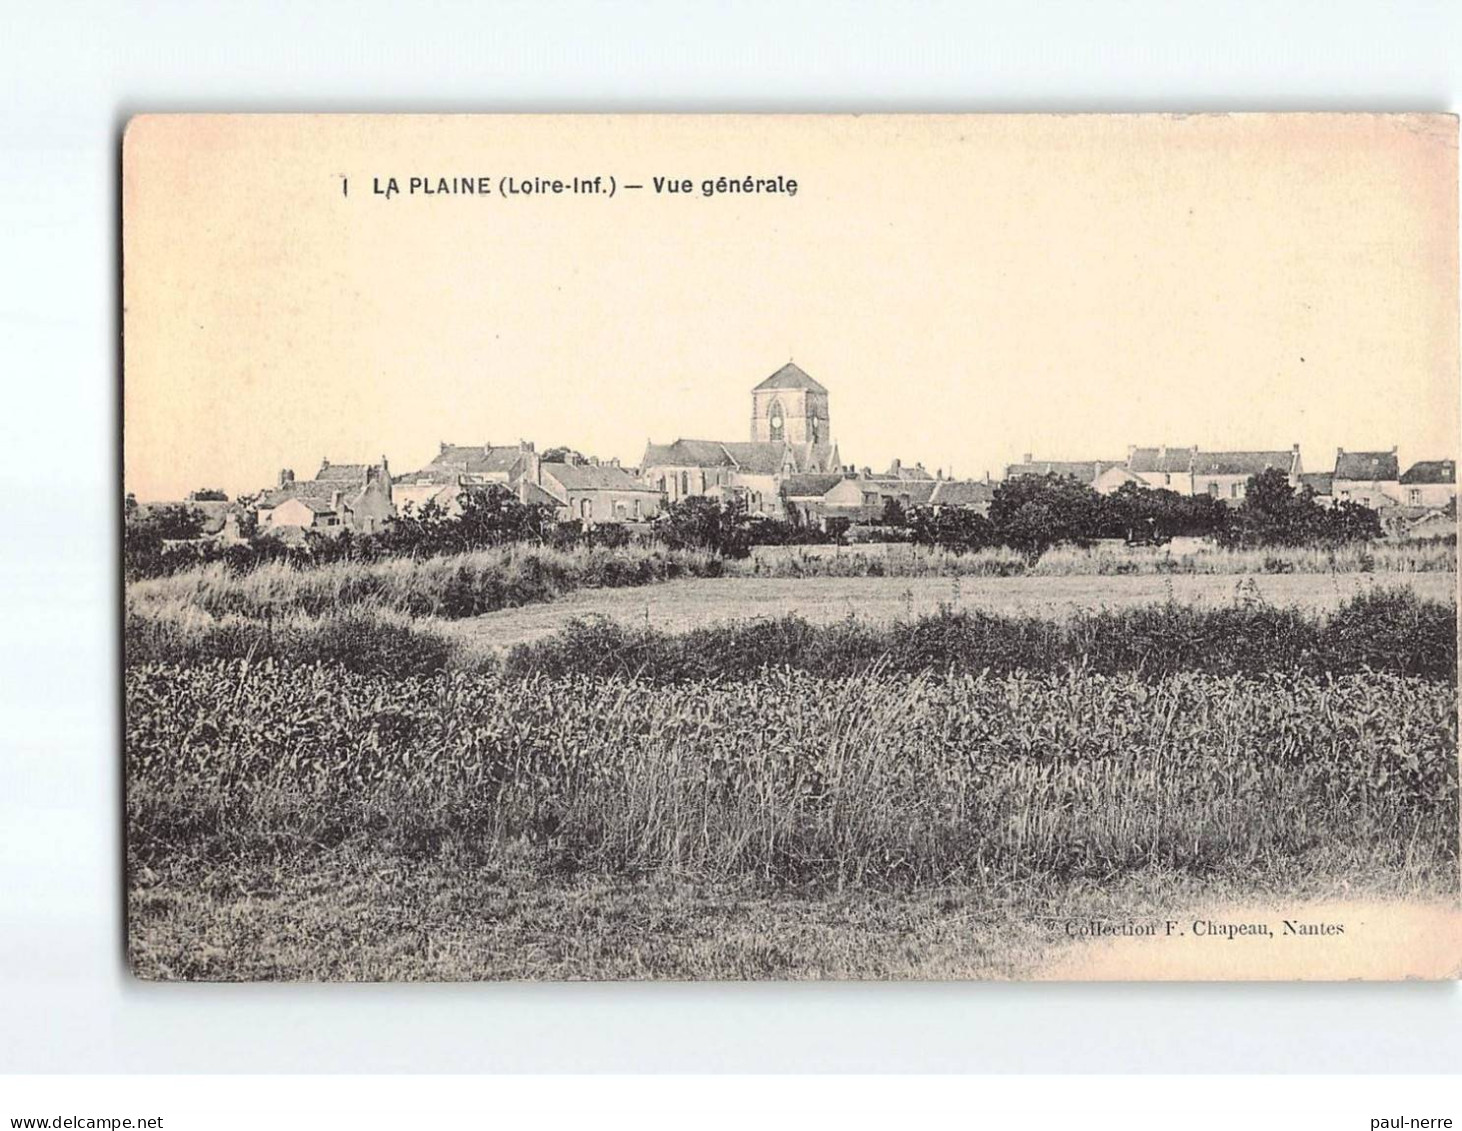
(790, 407)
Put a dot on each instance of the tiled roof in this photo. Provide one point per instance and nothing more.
(1321, 482)
(903, 471)
(320, 504)
(1241, 463)
(1082, 470)
(593, 477)
(1367, 466)
(961, 493)
(477, 458)
(438, 475)
(687, 453)
(753, 458)
(1431, 471)
(1165, 460)
(790, 376)
(917, 491)
(808, 486)
(342, 472)
(759, 458)
(304, 490)
(534, 495)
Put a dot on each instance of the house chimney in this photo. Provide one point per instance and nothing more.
(525, 445)
(894, 467)
(1162, 451)
(286, 476)
(1026, 458)
(1296, 448)
(1131, 452)
(444, 447)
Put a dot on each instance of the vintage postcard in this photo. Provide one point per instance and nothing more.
(788, 547)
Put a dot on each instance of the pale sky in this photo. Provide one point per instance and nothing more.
(967, 288)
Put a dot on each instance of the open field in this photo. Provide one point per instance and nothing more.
(1181, 556)
(310, 823)
(678, 606)
(923, 777)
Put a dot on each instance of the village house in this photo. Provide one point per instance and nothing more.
(965, 494)
(813, 499)
(459, 466)
(1430, 483)
(1372, 479)
(595, 492)
(1226, 475)
(349, 496)
(1163, 467)
(864, 498)
(577, 489)
(1368, 478)
(1095, 473)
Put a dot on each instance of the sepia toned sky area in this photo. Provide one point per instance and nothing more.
(968, 288)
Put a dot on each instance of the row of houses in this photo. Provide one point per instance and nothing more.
(790, 468)
(364, 497)
(1373, 479)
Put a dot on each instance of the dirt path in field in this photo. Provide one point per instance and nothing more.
(1335, 941)
(676, 606)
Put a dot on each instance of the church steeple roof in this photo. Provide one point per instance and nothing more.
(790, 376)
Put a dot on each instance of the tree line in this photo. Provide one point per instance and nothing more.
(1029, 514)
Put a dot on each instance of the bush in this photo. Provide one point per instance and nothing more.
(1274, 514)
(1391, 630)
(1385, 632)
(458, 585)
(1142, 515)
(1032, 513)
(954, 528)
(700, 523)
(353, 640)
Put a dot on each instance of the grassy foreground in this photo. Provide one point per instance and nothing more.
(350, 793)
(358, 914)
(310, 823)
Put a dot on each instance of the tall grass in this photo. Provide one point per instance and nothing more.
(905, 560)
(876, 779)
(456, 585)
(1390, 630)
(1384, 630)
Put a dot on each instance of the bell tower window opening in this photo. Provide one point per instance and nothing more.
(776, 421)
